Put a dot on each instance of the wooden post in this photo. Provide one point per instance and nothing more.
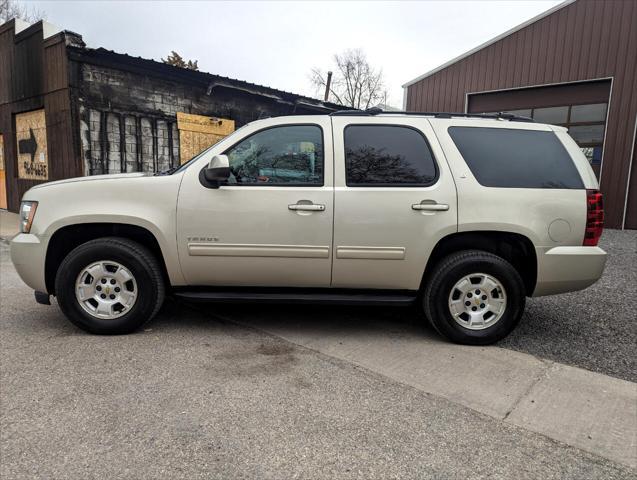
(327, 86)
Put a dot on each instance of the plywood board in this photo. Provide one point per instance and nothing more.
(33, 162)
(2, 167)
(198, 132)
(3, 176)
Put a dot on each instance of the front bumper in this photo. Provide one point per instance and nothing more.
(566, 269)
(28, 254)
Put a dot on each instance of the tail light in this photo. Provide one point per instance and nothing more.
(594, 218)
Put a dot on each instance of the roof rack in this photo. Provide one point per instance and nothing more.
(371, 112)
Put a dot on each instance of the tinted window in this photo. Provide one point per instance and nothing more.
(521, 113)
(387, 155)
(553, 115)
(588, 113)
(501, 157)
(587, 133)
(290, 155)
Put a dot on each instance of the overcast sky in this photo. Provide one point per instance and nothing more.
(277, 43)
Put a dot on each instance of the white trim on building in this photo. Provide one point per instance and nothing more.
(490, 42)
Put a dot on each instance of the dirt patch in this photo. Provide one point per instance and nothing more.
(277, 349)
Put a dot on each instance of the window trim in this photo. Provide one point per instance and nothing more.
(271, 127)
(392, 185)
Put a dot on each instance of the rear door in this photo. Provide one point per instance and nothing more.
(394, 199)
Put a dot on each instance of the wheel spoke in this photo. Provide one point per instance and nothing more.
(488, 284)
(457, 307)
(97, 271)
(123, 275)
(127, 298)
(84, 292)
(463, 285)
(104, 308)
(473, 319)
(498, 304)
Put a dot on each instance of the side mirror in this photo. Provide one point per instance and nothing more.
(217, 171)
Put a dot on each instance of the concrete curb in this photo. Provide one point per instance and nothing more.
(586, 410)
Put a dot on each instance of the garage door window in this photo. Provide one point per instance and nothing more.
(585, 123)
(387, 155)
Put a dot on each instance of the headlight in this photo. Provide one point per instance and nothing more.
(27, 212)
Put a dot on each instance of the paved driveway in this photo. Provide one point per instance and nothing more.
(203, 393)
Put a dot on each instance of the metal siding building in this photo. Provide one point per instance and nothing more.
(580, 54)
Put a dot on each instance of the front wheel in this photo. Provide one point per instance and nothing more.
(474, 298)
(109, 286)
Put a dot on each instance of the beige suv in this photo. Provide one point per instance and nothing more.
(464, 216)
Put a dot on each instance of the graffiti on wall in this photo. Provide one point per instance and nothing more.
(197, 132)
(30, 135)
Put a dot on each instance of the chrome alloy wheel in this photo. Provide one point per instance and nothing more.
(106, 289)
(477, 301)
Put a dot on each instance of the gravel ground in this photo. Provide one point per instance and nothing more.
(194, 397)
(596, 328)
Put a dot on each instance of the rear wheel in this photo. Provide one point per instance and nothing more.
(109, 286)
(474, 297)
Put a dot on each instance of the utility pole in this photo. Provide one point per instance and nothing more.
(327, 86)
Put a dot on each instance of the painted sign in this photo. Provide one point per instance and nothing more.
(197, 132)
(30, 132)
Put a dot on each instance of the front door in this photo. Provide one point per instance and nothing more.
(395, 199)
(271, 225)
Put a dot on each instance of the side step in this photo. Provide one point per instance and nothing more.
(294, 296)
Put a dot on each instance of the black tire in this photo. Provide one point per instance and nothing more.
(141, 263)
(451, 270)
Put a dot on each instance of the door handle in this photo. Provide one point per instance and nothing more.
(307, 207)
(430, 206)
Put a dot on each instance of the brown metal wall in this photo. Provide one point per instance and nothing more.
(585, 40)
(553, 96)
(34, 75)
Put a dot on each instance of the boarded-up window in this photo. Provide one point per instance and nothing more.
(196, 133)
(30, 135)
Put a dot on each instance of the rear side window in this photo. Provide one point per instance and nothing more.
(502, 157)
(387, 155)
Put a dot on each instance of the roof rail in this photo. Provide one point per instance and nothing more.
(371, 112)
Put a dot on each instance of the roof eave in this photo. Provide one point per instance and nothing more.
(490, 42)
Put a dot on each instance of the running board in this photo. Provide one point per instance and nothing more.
(382, 297)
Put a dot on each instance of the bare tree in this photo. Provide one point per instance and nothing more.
(13, 9)
(355, 82)
(177, 61)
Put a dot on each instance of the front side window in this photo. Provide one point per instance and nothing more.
(387, 155)
(286, 155)
(515, 158)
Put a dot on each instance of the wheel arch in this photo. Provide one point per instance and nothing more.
(515, 248)
(68, 237)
